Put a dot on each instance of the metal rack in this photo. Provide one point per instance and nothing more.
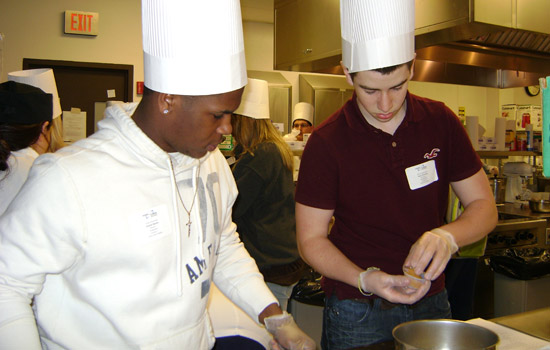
(505, 154)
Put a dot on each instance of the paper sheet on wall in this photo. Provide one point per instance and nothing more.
(74, 125)
(545, 88)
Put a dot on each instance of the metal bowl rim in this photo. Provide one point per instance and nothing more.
(443, 321)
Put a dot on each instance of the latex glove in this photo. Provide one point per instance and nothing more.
(287, 333)
(394, 288)
(434, 247)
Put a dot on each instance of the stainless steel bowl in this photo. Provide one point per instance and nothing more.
(540, 206)
(443, 335)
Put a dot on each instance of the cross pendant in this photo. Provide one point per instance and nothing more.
(188, 224)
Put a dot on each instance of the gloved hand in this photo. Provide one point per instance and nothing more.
(287, 333)
(449, 239)
(434, 247)
(393, 288)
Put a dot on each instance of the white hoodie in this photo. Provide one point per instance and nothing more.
(97, 235)
(20, 163)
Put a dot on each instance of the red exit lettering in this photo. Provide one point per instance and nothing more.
(81, 22)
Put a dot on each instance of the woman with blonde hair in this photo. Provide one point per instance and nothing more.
(264, 210)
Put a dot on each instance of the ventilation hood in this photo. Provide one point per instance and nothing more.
(492, 43)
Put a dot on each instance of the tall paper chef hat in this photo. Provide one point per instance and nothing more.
(255, 100)
(303, 110)
(43, 79)
(376, 33)
(193, 47)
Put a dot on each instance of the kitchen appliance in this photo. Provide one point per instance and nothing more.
(517, 175)
(539, 206)
(498, 187)
(521, 232)
(443, 334)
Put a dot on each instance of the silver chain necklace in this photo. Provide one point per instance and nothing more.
(189, 222)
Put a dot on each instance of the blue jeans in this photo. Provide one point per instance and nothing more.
(352, 323)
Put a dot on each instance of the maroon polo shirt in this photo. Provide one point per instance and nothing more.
(359, 171)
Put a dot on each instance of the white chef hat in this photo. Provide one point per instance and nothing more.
(255, 100)
(303, 110)
(193, 47)
(376, 33)
(43, 79)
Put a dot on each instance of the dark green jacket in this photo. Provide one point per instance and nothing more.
(264, 213)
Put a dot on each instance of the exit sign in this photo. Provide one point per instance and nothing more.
(83, 23)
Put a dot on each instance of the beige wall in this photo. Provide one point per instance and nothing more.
(34, 29)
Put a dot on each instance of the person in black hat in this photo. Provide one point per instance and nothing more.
(25, 133)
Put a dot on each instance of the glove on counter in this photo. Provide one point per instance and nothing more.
(287, 333)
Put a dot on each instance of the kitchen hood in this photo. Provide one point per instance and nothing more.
(492, 43)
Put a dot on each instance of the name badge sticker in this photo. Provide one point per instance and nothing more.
(421, 175)
(151, 224)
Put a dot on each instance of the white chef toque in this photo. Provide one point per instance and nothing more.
(193, 47)
(303, 110)
(376, 33)
(43, 79)
(255, 100)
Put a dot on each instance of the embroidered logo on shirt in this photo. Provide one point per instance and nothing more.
(432, 154)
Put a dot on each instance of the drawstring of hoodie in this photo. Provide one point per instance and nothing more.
(191, 218)
(175, 205)
(199, 233)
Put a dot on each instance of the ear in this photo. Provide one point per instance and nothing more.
(346, 72)
(45, 127)
(165, 103)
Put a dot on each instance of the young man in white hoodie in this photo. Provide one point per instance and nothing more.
(117, 238)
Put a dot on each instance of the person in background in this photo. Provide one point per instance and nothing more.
(140, 227)
(43, 78)
(461, 270)
(302, 119)
(264, 209)
(24, 136)
(387, 158)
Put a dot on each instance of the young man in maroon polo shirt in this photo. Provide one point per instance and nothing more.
(382, 166)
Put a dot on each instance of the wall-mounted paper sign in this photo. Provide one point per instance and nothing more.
(83, 23)
(74, 125)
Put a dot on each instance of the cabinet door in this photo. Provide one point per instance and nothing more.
(279, 106)
(534, 15)
(326, 103)
(497, 12)
(287, 35)
(439, 14)
(306, 30)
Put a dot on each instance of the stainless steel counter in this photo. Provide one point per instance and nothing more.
(510, 208)
(535, 323)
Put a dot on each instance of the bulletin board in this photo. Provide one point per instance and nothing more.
(83, 84)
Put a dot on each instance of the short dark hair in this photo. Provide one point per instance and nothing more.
(388, 70)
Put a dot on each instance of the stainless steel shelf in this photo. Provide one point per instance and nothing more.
(506, 154)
